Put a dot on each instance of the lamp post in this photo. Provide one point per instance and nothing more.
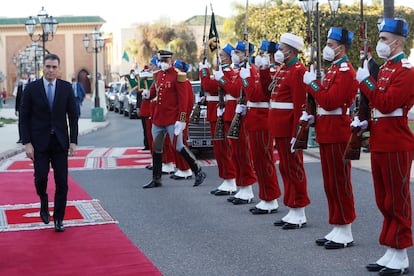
(49, 27)
(98, 44)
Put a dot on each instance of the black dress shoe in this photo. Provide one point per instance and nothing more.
(391, 271)
(231, 198)
(176, 177)
(337, 245)
(59, 226)
(258, 211)
(321, 242)
(149, 167)
(279, 223)
(19, 141)
(45, 216)
(292, 226)
(374, 267)
(239, 201)
(199, 178)
(152, 184)
(223, 193)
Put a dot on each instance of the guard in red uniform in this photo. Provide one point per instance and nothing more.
(183, 170)
(334, 97)
(261, 142)
(169, 117)
(392, 144)
(287, 98)
(222, 149)
(231, 83)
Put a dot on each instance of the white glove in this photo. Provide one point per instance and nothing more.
(307, 118)
(146, 94)
(258, 61)
(218, 74)
(203, 65)
(245, 72)
(179, 127)
(265, 61)
(220, 111)
(357, 123)
(292, 143)
(311, 119)
(310, 76)
(242, 109)
(363, 72)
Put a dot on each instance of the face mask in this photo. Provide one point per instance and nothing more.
(165, 66)
(361, 56)
(329, 53)
(279, 57)
(235, 59)
(132, 76)
(383, 49)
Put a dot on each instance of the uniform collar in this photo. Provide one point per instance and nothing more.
(341, 60)
(293, 61)
(397, 58)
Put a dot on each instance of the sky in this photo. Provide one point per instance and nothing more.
(124, 13)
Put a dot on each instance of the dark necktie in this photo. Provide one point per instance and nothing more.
(50, 94)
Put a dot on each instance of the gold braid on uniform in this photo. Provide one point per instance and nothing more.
(183, 116)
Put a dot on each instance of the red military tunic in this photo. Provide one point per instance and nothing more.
(392, 145)
(334, 96)
(231, 84)
(287, 98)
(171, 98)
(222, 149)
(261, 142)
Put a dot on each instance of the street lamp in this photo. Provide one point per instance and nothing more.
(49, 27)
(98, 44)
(334, 6)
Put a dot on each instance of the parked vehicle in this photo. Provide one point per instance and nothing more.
(120, 98)
(199, 136)
(130, 105)
(110, 94)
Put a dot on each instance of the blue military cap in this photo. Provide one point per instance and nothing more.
(228, 49)
(273, 47)
(342, 35)
(154, 60)
(181, 65)
(396, 26)
(165, 54)
(264, 46)
(241, 46)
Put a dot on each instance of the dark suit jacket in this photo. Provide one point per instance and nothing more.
(18, 96)
(37, 121)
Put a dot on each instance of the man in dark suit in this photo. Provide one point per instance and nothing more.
(20, 87)
(46, 105)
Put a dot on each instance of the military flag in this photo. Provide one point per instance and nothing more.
(213, 37)
(125, 56)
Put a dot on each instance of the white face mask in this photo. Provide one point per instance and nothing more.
(383, 49)
(279, 57)
(235, 59)
(132, 76)
(329, 53)
(165, 66)
(361, 56)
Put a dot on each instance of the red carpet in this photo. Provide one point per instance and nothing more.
(81, 250)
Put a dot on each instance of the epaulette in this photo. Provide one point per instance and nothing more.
(181, 76)
(344, 67)
(156, 72)
(406, 64)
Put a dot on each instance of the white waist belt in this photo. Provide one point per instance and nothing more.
(258, 104)
(212, 98)
(281, 105)
(230, 98)
(396, 113)
(337, 111)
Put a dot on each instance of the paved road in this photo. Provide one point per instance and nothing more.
(186, 231)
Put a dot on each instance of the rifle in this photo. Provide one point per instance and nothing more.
(362, 111)
(234, 130)
(302, 137)
(219, 130)
(195, 115)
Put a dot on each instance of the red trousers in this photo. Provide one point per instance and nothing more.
(223, 153)
(293, 174)
(337, 183)
(261, 146)
(391, 175)
(242, 157)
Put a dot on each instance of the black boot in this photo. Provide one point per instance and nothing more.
(156, 171)
(44, 210)
(192, 162)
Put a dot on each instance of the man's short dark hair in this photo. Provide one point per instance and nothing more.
(52, 57)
